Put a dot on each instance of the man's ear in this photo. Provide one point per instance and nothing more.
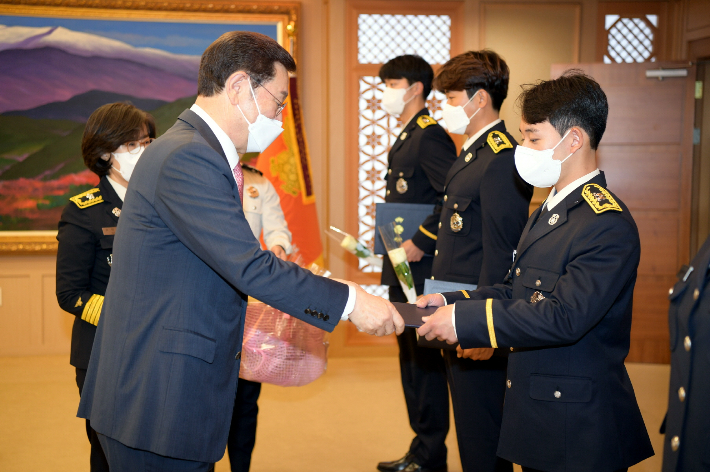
(235, 85)
(418, 89)
(482, 99)
(579, 137)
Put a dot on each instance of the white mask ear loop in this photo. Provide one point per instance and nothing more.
(563, 138)
(469, 101)
(255, 102)
(409, 88)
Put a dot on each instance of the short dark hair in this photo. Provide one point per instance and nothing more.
(574, 99)
(254, 53)
(475, 70)
(411, 67)
(108, 127)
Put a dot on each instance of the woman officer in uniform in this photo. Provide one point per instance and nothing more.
(114, 139)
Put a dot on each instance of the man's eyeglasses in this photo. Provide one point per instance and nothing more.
(281, 104)
(134, 147)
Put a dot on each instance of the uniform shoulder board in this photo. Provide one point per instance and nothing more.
(252, 169)
(498, 141)
(425, 120)
(88, 198)
(599, 199)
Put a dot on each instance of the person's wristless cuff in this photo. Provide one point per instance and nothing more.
(350, 305)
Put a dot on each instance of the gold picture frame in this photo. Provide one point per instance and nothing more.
(284, 15)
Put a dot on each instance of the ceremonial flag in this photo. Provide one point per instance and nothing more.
(287, 164)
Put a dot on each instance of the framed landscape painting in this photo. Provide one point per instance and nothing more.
(58, 63)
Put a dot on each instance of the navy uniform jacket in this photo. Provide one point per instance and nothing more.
(418, 162)
(486, 205)
(164, 368)
(84, 262)
(687, 442)
(566, 309)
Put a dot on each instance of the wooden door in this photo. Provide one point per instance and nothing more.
(646, 153)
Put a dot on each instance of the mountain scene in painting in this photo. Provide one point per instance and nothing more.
(51, 80)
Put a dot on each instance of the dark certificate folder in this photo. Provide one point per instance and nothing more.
(407, 215)
(412, 315)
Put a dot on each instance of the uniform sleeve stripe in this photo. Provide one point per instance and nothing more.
(92, 309)
(465, 293)
(427, 233)
(489, 318)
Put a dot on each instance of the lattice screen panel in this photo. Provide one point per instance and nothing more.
(382, 37)
(377, 290)
(630, 40)
(377, 132)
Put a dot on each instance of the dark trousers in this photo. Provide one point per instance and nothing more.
(242, 432)
(477, 394)
(528, 469)
(425, 392)
(126, 459)
(97, 459)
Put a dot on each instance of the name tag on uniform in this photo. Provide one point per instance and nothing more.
(109, 231)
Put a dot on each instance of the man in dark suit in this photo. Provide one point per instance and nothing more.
(486, 205)
(565, 307)
(417, 165)
(687, 425)
(163, 372)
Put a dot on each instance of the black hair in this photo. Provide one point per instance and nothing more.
(574, 99)
(475, 70)
(254, 53)
(410, 67)
(110, 126)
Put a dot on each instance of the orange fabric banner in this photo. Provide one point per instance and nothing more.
(287, 164)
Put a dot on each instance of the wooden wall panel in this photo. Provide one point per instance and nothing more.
(15, 324)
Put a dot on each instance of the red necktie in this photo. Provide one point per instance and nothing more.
(239, 177)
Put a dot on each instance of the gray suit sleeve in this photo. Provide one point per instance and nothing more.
(195, 197)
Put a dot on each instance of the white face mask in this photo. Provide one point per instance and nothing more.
(393, 100)
(538, 168)
(263, 131)
(456, 118)
(127, 161)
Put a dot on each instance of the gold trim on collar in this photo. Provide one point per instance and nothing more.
(599, 199)
(498, 141)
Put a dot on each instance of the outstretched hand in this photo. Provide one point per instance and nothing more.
(374, 315)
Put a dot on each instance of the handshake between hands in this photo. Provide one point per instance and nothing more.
(377, 316)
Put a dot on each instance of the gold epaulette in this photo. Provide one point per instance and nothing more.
(599, 199)
(88, 198)
(425, 120)
(498, 141)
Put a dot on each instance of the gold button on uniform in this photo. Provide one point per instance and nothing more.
(436, 252)
(675, 443)
(681, 394)
(456, 206)
(512, 349)
(509, 383)
(670, 291)
(439, 224)
(389, 171)
(696, 294)
(432, 277)
(517, 271)
(687, 343)
(388, 192)
(446, 197)
(557, 394)
(401, 174)
(538, 283)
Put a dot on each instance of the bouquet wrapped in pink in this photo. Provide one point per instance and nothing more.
(281, 350)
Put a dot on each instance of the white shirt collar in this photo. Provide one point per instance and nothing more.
(556, 197)
(120, 189)
(480, 132)
(227, 145)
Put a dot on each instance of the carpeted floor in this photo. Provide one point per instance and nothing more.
(347, 421)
